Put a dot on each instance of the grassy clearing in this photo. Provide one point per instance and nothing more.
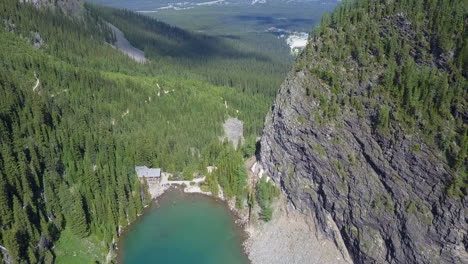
(71, 249)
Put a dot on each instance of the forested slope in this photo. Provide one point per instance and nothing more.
(369, 132)
(219, 60)
(69, 144)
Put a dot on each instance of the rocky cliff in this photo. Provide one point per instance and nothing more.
(384, 186)
(67, 6)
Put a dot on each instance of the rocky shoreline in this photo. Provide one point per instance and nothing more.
(290, 237)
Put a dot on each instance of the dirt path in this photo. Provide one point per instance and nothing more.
(36, 85)
(158, 188)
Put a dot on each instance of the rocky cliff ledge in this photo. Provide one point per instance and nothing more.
(368, 133)
(388, 200)
(67, 6)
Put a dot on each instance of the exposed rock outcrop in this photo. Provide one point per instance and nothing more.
(122, 44)
(37, 40)
(291, 237)
(347, 148)
(234, 131)
(67, 6)
(387, 198)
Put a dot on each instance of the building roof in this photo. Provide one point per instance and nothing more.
(143, 171)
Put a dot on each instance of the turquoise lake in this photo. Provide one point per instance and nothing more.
(181, 229)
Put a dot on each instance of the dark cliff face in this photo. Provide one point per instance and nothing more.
(67, 6)
(385, 190)
(388, 201)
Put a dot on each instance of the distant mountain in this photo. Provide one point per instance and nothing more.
(153, 6)
(289, 1)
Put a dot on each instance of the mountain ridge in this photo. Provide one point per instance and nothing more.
(71, 7)
(356, 133)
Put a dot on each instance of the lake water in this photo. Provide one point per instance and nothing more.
(183, 229)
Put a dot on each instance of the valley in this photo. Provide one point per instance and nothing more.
(244, 23)
(88, 114)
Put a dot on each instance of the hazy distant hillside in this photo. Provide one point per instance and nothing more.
(142, 5)
(231, 16)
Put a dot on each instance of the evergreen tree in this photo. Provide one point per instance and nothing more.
(77, 219)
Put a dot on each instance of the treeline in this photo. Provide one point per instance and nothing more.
(68, 146)
(415, 63)
(58, 170)
(230, 174)
(265, 192)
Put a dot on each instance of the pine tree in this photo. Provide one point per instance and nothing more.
(77, 219)
(12, 243)
(5, 210)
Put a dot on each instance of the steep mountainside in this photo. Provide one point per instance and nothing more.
(68, 6)
(369, 132)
